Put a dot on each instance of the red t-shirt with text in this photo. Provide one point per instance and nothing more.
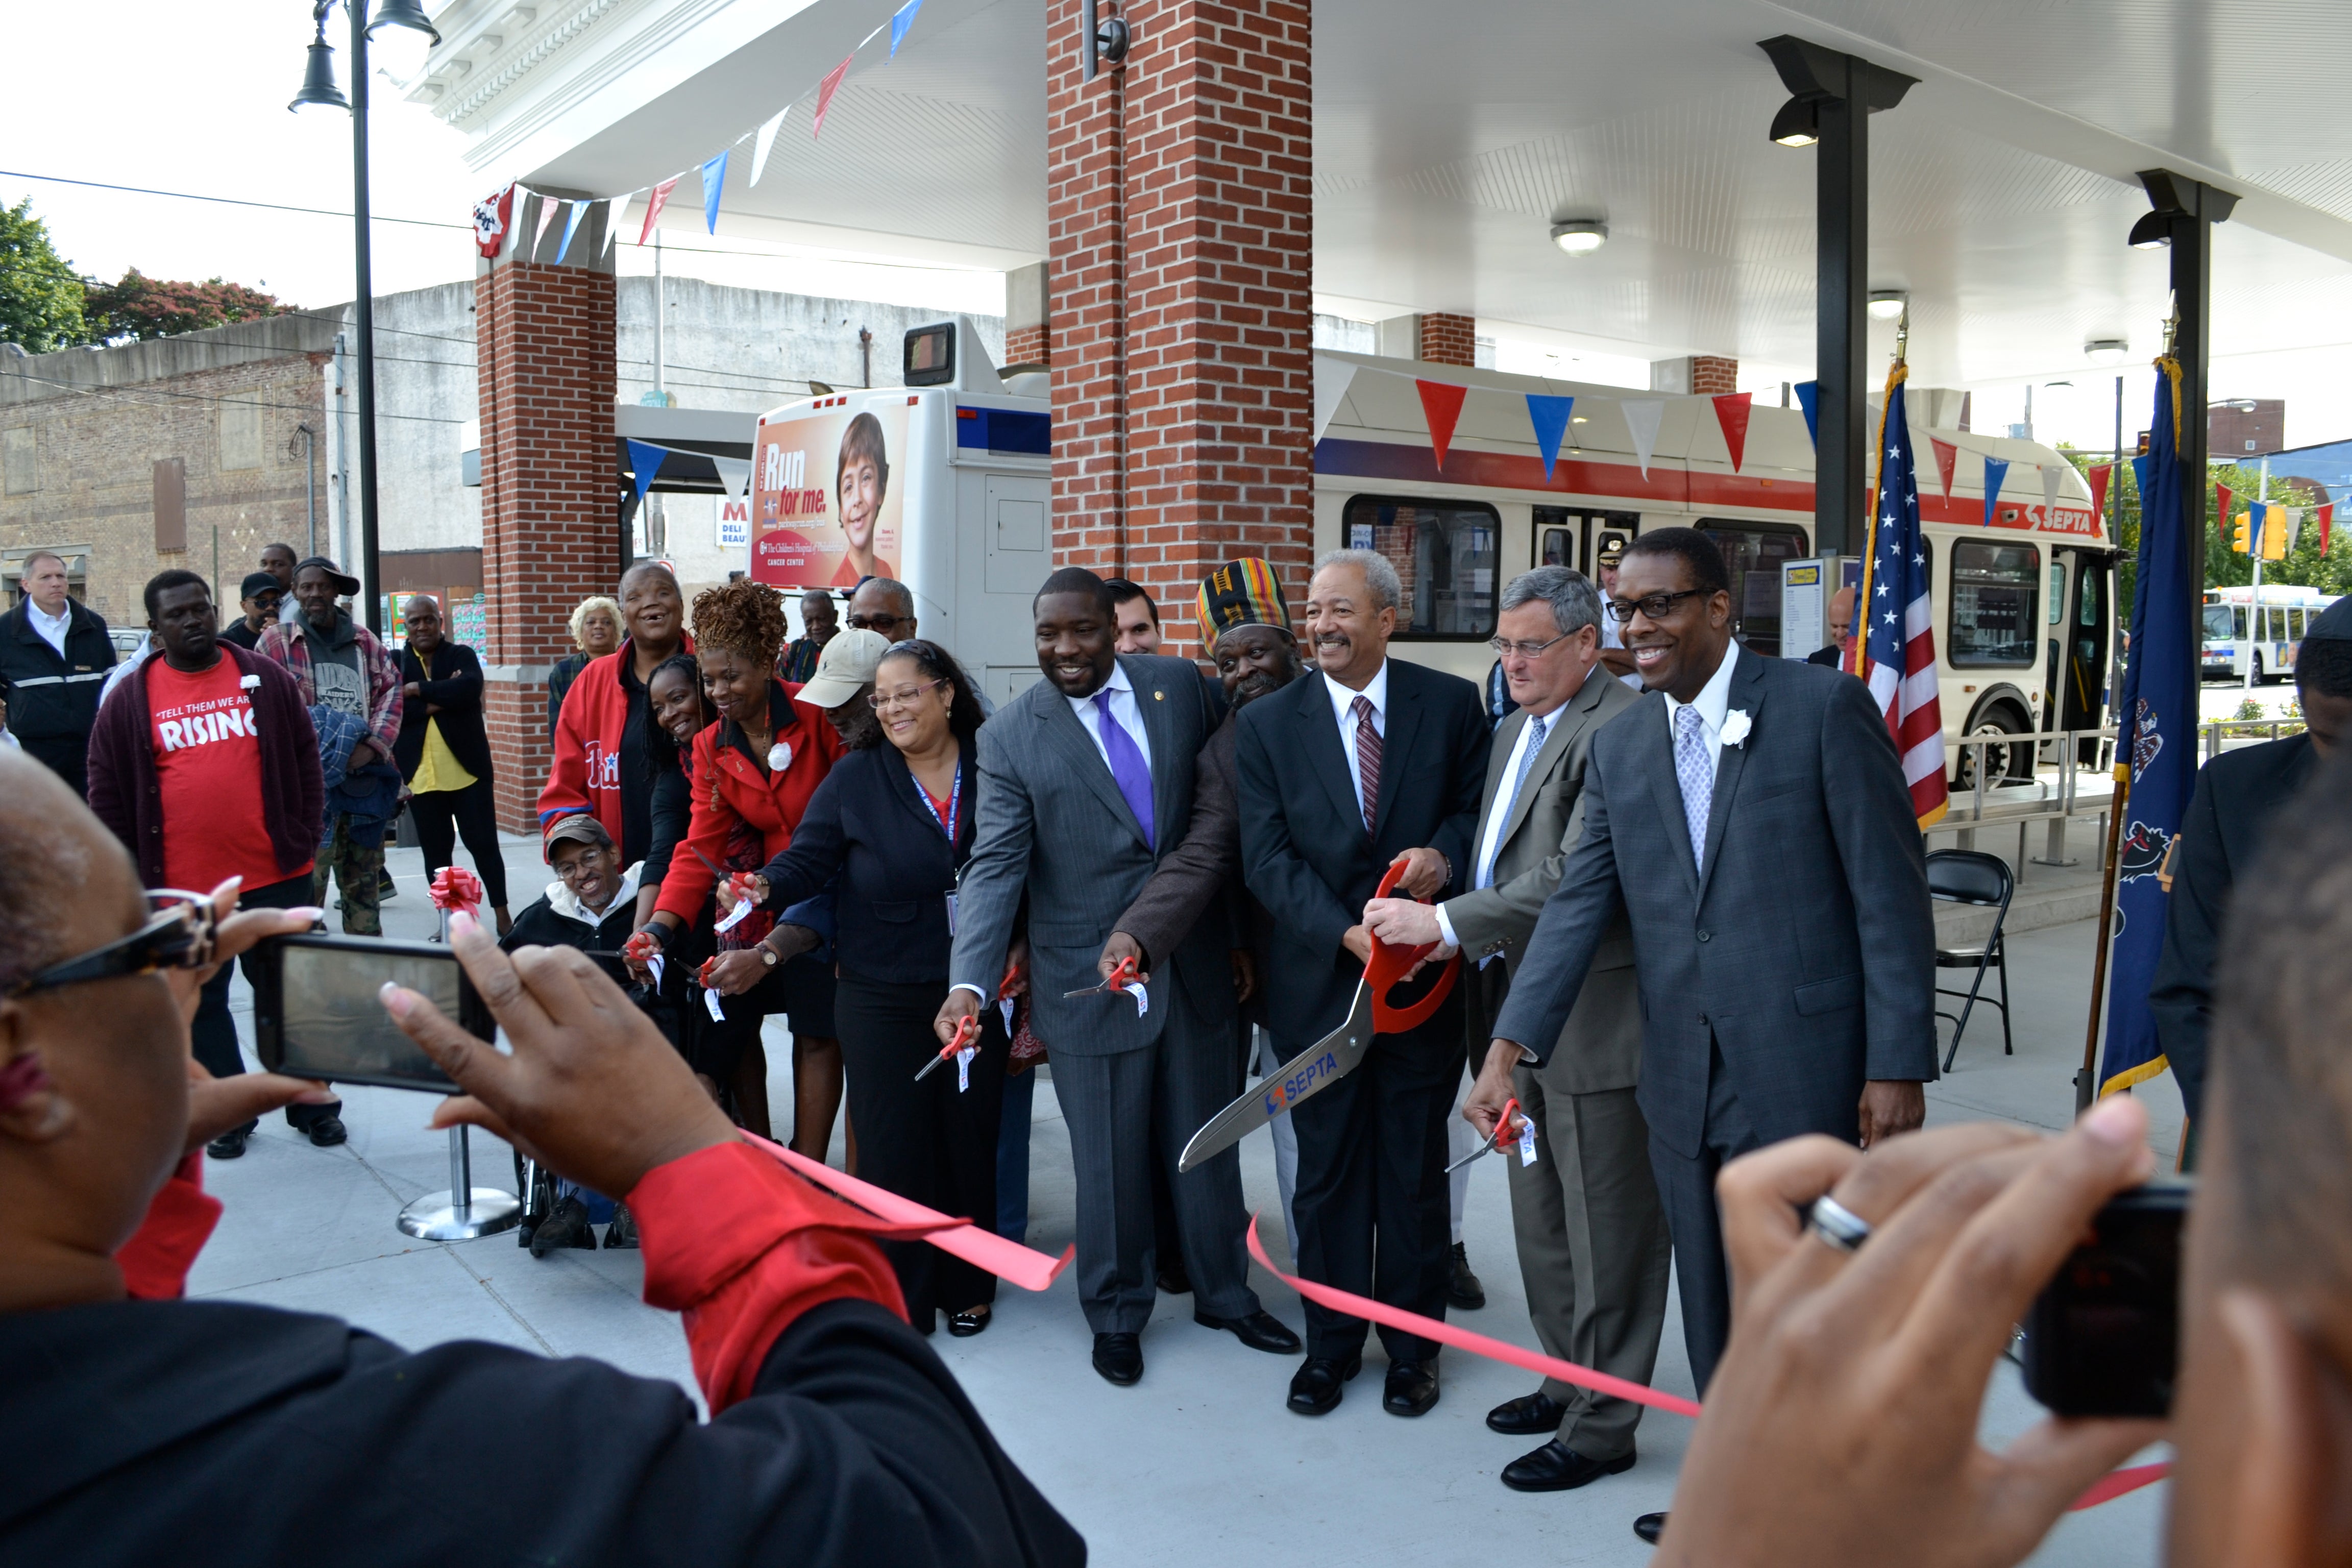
(209, 768)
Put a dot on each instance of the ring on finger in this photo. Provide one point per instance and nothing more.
(1837, 1224)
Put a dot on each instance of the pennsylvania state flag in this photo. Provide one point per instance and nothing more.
(2155, 754)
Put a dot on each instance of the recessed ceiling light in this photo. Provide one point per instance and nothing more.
(1887, 304)
(1580, 236)
(2105, 350)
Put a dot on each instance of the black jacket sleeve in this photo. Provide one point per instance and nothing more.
(2180, 995)
(672, 809)
(459, 691)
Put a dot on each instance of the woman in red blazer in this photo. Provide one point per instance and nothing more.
(754, 773)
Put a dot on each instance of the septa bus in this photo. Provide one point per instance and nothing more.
(2238, 629)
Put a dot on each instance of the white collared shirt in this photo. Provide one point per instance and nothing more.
(1122, 708)
(1490, 837)
(53, 628)
(1343, 706)
(1713, 701)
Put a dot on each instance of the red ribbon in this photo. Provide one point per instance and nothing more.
(455, 890)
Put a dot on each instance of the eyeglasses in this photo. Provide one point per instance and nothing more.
(1506, 647)
(1657, 607)
(904, 697)
(876, 623)
(571, 870)
(178, 935)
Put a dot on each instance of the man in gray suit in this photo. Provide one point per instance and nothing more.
(1086, 783)
(1751, 816)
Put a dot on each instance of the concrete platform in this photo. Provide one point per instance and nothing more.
(1200, 1462)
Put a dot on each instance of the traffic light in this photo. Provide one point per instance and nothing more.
(2238, 539)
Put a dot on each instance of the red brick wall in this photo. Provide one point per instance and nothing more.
(1026, 345)
(1449, 340)
(1712, 375)
(550, 531)
(1180, 218)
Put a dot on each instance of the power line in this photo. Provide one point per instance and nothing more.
(216, 398)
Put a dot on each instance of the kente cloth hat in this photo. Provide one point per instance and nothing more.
(844, 669)
(2333, 624)
(1241, 593)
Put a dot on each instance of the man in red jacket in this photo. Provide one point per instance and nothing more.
(599, 764)
(204, 764)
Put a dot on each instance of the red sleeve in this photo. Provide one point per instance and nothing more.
(740, 1247)
(687, 884)
(566, 790)
(180, 1219)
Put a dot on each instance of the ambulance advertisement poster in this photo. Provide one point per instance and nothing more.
(825, 509)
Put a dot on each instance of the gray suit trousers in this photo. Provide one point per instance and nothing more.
(1184, 1077)
(1686, 1184)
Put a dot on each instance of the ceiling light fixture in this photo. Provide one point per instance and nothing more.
(2106, 351)
(1579, 237)
(1888, 304)
(2152, 232)
(1799, 122)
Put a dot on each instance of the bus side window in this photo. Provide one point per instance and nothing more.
(1447, 553)
(2294, 624)
(1557, 549)
(1992, 624)
(2238, 622)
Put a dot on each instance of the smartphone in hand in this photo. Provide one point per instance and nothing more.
(2103, 1337)
(318, 1011)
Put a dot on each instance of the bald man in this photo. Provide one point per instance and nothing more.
(1836, 656)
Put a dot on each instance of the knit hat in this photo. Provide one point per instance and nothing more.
(1241, 593)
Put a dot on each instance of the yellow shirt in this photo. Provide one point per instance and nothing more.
(438, 770)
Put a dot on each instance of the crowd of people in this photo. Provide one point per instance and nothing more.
(1681, 1030)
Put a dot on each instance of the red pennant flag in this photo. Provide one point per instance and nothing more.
(2099, 474)
(825, 91)
(1441, 404)
(1947, 455)
(2222, 499)
(1731, 411)
(2327, 520)
(654, 205)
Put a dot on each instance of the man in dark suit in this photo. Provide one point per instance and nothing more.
(1085, 783)
(1368, 763)
(1781, 927)
(1841, 641)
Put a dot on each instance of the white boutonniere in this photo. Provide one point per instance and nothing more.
(250, 682)
(1735, 727)
(780, 757)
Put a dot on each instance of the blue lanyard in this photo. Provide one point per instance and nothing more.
(955, 797)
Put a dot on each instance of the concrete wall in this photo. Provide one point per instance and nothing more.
(426, 398)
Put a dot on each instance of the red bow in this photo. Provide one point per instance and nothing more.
(455, 890)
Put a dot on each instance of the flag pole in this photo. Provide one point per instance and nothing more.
(2085, 1081)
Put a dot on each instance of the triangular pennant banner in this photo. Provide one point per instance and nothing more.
(2100, 475)
(571, 227)
(493, 215)
(900, 20)
(1947, 457)
(1643, 417)
(645, 462)
(2049, 472)
(2293, 525)
(1809, 398)
(2222, 496)
(825, 91)
(714, 181)
(1332, 378)
(765, 140)
(655, 201)
(1550, 415)
(616, 210)
(1731, 411)
(2258, 513)
(1995, 470)
(2139, 475)
(546, 205)
(734, 473)
(1441, 404)
(2326, 524)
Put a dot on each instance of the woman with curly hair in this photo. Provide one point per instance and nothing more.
(751, 774)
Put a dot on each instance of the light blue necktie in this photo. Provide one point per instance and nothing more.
(1695, 771)
(1535, 728)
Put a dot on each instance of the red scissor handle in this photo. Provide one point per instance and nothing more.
(1390, 965)
(1503, 1138)
(1122, 976)
(967, 1031)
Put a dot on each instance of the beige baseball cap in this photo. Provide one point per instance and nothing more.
(844, 669)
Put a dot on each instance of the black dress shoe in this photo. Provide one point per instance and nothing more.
(1259, 1331)
(964, 1325)
(1412, 1388)
(1527, 1415)
(1556, 1468)
(565, 1226)
(1650, 1526)
(229, 1145)
(1119, 1358)
(1316, 1387)
(1172, 1282)
(327, 1131)
(622, 1233)
(1463, 1288)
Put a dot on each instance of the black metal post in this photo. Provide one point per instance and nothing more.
(371, 579)
(2192, 294)
(1841, 329)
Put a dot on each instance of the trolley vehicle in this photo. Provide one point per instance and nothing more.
(2240, 630)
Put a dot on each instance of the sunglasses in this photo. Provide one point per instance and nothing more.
(177, 935)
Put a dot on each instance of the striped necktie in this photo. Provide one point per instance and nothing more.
(1367, 757)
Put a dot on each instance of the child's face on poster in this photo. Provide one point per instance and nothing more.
(861, 498)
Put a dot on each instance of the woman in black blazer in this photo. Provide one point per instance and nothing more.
(893, 819)
(443, 752)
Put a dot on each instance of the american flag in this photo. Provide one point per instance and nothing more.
(1898, 651)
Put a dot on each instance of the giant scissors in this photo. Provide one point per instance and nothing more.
(1337, 1054)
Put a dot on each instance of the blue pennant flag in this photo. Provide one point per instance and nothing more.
(1549, 417)
(2258, 514)
(645, 462)
(2140, 473)
(1995, 470)
(2157, 749)
(900, 20)
(714, 180)
(1808, 397)
(571, 225)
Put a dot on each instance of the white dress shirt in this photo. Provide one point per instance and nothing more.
(1343, 706)
(1714, 699)
(1122, 708)
(53, 628)
(1490, 836)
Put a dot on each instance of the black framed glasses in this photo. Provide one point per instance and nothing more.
(1505, 647)
(881, 624)
(178, 935)
(1657, 607)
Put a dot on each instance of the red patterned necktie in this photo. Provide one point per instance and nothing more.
(1367, 757)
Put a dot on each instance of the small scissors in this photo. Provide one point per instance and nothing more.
(966, 1033)
(1503, 1139)
(1122, 976)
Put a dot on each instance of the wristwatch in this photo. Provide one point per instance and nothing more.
(767, 956)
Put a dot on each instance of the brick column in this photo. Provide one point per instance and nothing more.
(1448, 340)
(1713, 375)
(1179, 219)
(550, 530)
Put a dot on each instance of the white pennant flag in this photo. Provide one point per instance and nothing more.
(1332, 379)
(735, 473)
(615, 208)
(2293, 525)
(1643, 417)
(767, 139)
(2049, 472)
(546, 205)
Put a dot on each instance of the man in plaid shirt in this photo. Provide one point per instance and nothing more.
(340, 665)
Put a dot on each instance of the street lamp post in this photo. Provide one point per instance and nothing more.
(319, 91)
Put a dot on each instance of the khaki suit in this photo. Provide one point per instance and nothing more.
(1591, 1234)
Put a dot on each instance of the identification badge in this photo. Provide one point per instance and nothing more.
(710, 1000)
(963, 1067)
(952, 914)
(1526, 1140)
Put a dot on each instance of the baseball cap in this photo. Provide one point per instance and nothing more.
(579, 825)
(844, 669)
(256, 583)
(344, 583)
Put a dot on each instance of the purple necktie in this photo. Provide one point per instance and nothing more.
(1127, 768)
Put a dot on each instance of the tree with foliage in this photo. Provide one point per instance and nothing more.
(2303, 565)
(143, 307)
(40, 297)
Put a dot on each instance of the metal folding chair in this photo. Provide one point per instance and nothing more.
(1974, 878)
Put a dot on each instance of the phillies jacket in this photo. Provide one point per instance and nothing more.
(584, 773)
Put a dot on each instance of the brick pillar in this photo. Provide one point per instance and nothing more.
(1179, 220)
(1448, 340)
(1711, 376)
(550, 530)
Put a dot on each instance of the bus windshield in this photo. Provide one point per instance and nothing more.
(2217, 623)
